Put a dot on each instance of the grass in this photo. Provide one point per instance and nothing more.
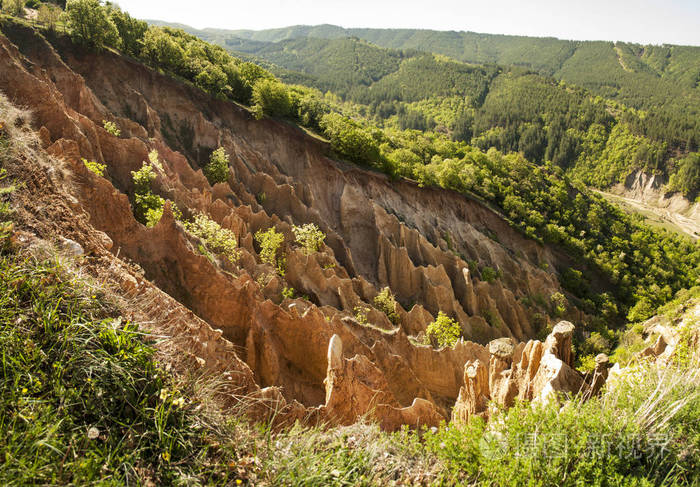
(643, 431)
(82, 397)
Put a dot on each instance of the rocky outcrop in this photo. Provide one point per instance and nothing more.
(356, 388)
(665, 333)
(647, 193)
(534, 371)
(474, 396)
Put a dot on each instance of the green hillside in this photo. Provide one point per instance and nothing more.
(640, 76)
(512, 108)
(337, 64)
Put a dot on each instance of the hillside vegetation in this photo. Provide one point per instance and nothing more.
(651, 90)
(631, 73)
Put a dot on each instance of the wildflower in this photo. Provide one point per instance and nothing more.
(164, 394)
(179, 402)
(166, 456)
(24, 390)
(239, 481)
(93, 433)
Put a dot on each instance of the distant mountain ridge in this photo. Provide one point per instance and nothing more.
(550, 99)
(641, 76)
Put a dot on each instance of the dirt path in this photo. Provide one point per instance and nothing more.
(659, 217)
(618, 52)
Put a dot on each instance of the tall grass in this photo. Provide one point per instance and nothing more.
(643, 430)
(81, 397)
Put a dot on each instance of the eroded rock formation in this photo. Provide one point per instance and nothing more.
(420, 242)
(532, 371)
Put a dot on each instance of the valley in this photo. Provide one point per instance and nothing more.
(319, 256)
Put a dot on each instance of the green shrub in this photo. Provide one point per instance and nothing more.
(143, 178)
(631, 342)
(351, 140)
(270, 242)
(686, 179)
(217, 170)
(288, 293)
(309, 237)
(95, 167)
(131, 30)
(489, 274)
(685, 352)
(573, 281)
(217, 239)
(642, 310)
(111, 128)
(154, 159)
(586, 363)
(361, 314)
(49, 15)
(386, 303)
(491, 317)
(559, 303)
(444, 331)
(14, 7)
(270, 97)
(148, 207)
(144, 199)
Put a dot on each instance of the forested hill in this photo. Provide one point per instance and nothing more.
(510, 106)
(640, 76)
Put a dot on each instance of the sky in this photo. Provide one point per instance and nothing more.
(643, 21)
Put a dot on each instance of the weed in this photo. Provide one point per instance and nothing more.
(95, 167)
(111, 128)
(216, 238)
(309, 237)
(444, 331)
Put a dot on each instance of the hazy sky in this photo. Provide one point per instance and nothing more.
(645, 21)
